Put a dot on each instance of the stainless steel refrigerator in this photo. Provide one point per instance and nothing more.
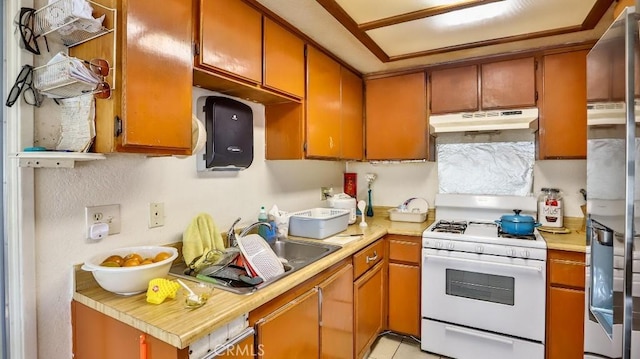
(612, 300)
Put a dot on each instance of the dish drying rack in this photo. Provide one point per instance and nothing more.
(70, 29)
(405, 214)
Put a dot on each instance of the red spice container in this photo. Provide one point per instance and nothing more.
(351, 184)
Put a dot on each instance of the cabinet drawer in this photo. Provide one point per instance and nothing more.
(404, 250)
(566, 269)
(367, 258)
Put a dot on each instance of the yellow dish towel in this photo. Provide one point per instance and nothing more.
(200, 238)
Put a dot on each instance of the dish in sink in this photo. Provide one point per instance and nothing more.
(294, 254)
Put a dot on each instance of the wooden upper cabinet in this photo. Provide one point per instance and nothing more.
(324, 130)
(283, 59)
(563, 116)
(454, 90)
(150, 107)
(396, 117)
(231, 38)
(352, 116)
(508, 84)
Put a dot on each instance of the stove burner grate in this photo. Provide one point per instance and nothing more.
(529, 237)
(450, 226)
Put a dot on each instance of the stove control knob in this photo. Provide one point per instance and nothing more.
(479, 248)
(525, 254)
(450, 246)
(511, 252)
(439, 245)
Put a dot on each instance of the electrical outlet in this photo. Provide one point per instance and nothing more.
(326, 192)
(109, 214)
(156, 215)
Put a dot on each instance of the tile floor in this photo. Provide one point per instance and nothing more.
(391, 346)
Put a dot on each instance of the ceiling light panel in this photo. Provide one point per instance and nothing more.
(486, 22)
(362, 11)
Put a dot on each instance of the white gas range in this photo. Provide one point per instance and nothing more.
(483, 292)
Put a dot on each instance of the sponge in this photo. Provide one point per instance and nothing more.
(160, 288)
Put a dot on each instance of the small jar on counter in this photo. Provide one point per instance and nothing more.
(550, 208)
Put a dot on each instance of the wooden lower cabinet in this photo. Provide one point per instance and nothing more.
(336, 315)
(369, 308)
(98, 336)
(312, 320)
(565, 305)
(404, 284)
(292, 331)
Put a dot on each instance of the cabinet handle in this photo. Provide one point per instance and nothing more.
(372, 259)
(143, 346)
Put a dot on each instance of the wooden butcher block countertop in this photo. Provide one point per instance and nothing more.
(172, 323)
(575, 241)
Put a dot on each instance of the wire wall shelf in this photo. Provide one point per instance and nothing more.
(62, 20)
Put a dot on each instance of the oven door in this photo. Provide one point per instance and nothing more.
(486, 292)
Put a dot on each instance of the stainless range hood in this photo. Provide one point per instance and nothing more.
(499, 120)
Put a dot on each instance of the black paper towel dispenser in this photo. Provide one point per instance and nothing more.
(229, 125)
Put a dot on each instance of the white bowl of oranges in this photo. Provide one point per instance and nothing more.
(128, 270)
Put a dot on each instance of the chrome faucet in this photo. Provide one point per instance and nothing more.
(253, 225)
(231, 234)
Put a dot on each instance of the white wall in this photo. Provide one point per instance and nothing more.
(133, 181)
(396, 182)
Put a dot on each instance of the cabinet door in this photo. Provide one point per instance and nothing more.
(324, 128)
(563, 118)
(98, 336)
(404, 298)
(352, 117)
(396, 117)
(283, 59)
(336, 308)
(157, 79)
(151, 77)
(369, 301)
(565, 327)
(508, 84)
(231, 38)
(454, 90)
(291, 331)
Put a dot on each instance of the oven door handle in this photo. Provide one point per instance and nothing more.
(512, 266)
(479, 335)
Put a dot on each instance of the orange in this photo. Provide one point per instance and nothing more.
(133, 255)
(161, 256)
(115, 259)
(131, 262)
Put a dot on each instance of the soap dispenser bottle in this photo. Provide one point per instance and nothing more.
(262, 217)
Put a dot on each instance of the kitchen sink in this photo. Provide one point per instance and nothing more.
(299, 254)
(295, 255)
